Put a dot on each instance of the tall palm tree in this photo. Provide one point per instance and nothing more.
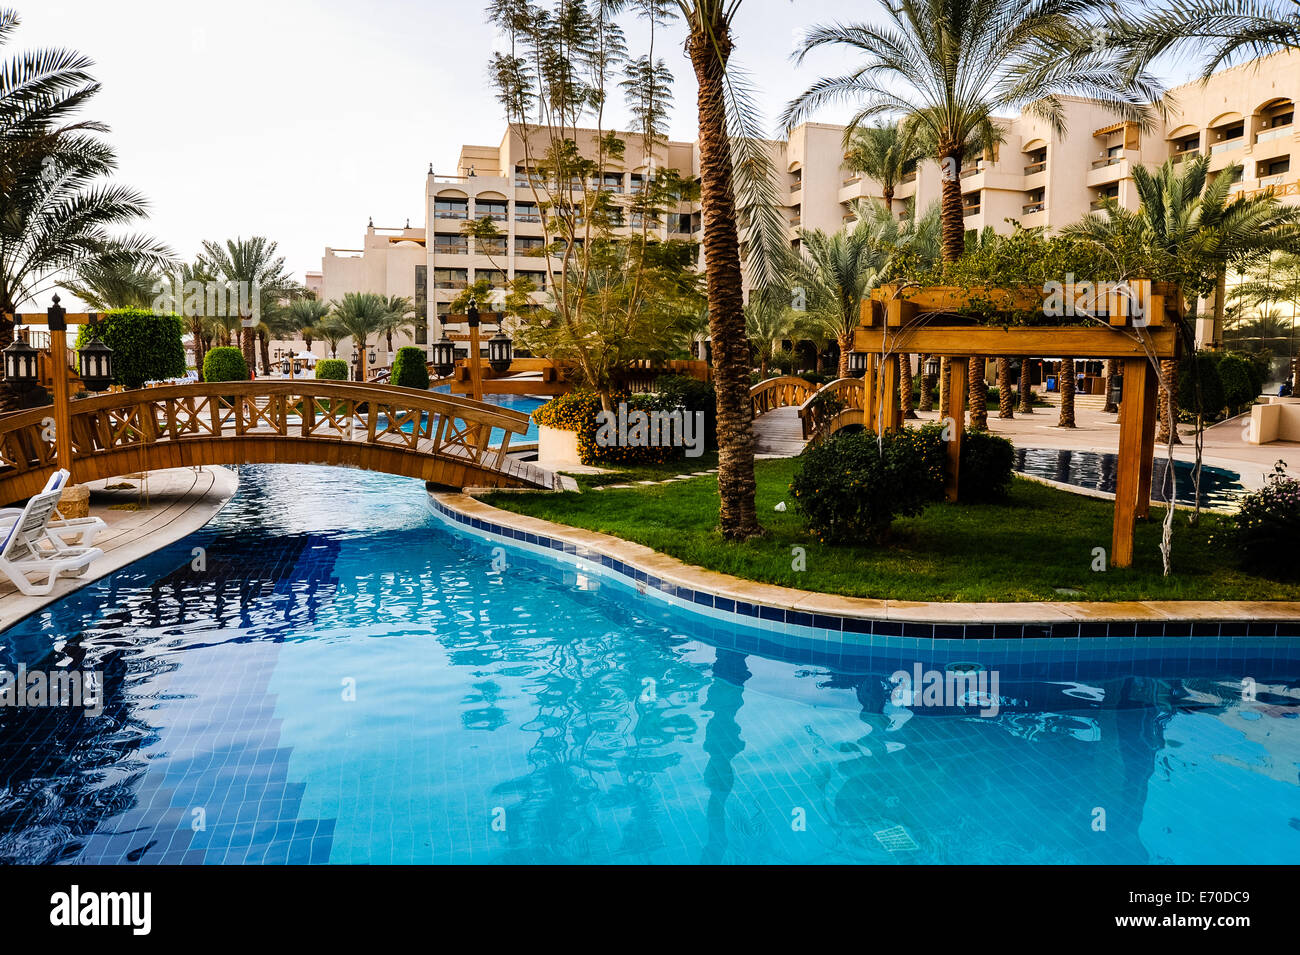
(114, 283)
(838, 271)
(882, 152)
(360, 315)
(1221, 31)
(1006, 400)
(768, 322)
(58, 216)
(306, 314)
(250, 263)
(736, 175)
(399, 318)
(1186, 222)
(947, 67)
(1065, 381)
(331, 333)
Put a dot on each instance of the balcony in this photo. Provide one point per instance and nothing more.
(1185, 155)
(451, 213)
(1098, 204)
(1107, 161)
(1033, 207)
(1277, 132)
(1228, 145)
(490, 248)
(1034, 168)
(852, 180)
(909, 176)
(968, 211)
(972, 171)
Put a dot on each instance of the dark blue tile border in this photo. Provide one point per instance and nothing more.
(883, 628)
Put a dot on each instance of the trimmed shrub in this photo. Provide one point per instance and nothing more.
(852, 487)
(579, 411)
(332, 369)
(1238, 381)
(1206, 368)
(224, 363)
(1264, 531)
(987, 463)
(409, 369)
(146, 346)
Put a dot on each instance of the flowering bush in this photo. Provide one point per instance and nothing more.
(578, 411)
(1264, 532)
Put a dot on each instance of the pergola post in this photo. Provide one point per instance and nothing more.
(1136, 447)
(890, 417)
(956, 411)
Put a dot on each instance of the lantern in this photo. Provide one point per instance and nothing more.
(444, 356)
(1116, 389)
(95, 362)
(500, 353)
(372, 356)
(286, 367)
(857, 363)
(932, 367)
(20, 364)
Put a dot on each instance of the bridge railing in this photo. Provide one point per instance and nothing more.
(262, 410)
(782, 392)
(828, 401)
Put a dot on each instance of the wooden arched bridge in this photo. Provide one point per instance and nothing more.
(789, 412)
(439, 438)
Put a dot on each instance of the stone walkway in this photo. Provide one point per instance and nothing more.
(180, 501)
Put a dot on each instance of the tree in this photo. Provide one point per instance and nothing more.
(114, 283)
(1065, 383)
(399, 318)
(1006, 400)
(768, 322)
(252, 268)
(359, 315)
(305, 314)
(331, 333)
(57, 211)
(1220, 30)
(947, 67)
(883, 152)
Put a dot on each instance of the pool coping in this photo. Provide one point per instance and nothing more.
(719, 595)
(146, 532)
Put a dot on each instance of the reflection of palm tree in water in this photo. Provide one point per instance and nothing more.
(722, 742)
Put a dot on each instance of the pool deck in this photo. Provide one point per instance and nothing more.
(180, 501)
(649, 569)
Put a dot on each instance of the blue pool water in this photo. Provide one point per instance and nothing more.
(524, 404)
(345, 680)
(1096, 470)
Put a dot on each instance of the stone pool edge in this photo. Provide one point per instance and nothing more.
(718, 595)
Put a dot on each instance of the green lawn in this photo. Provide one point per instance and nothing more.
(1039, 541)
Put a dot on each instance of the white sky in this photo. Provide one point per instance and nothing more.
(299, 120)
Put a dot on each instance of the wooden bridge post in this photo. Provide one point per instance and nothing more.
(954, 417)
(891, 418)
(1137, 413)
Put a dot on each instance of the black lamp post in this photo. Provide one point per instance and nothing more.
(857, 363)
(20, 363)
(475, 359)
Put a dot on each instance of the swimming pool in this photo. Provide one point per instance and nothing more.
(336, 677)
(524, 404)
(1096, 470)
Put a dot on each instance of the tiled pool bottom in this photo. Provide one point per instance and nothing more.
(345, 681)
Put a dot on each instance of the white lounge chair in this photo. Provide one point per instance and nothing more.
(75, 532)
(29, 548)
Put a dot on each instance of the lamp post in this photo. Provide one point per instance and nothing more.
(857, 363)
(56, 321)
(475, 361)
(444, 355)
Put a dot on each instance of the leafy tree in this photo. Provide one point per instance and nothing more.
(360, 315)
(251, 264)
(146, 346)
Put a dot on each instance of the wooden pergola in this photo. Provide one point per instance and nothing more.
(1135, 324)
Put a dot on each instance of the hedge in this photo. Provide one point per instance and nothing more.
(332, 369)
(146, 346)
(224, 364)
(409, 369)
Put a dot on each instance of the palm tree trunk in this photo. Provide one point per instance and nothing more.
(945, 380)
(264, 340)
(978, 396)
(1026, 388)
(1065, 381)
(1168, 403)
(905, 385)
(737, 517)
(1006, 402)
(952, 221)
(248, 346)
(846, 345)
(1111, 372)
(927, 387)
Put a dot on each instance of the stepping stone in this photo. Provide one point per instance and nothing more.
(616, 487)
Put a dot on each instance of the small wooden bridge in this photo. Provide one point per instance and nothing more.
(442, 439)
(790, 412)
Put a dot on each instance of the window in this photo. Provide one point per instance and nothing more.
(447, 244)
(610, 181)
(450, 278)
(490, 246)
(495, 209)
(537, 278)
(638, 183)
(529, 245)
(495, 277)
(527, 212)
(445, 207)
(1279, 166)
(1283, 120)
(679, 222)
(421, 334)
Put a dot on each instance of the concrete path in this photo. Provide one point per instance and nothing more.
(181, 500)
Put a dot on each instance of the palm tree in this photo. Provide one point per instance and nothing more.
(736, 174)
(947, 67)
(883, 152)
(305, 315)
(1221, 30)
(400, 317)
(1186, 223)
(838, 271)
(57, 214)
(331, 333)
(250, 264)
(1006, 401)
(360, 315)
(115, 283)
(768, 322)
(1065, 382)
